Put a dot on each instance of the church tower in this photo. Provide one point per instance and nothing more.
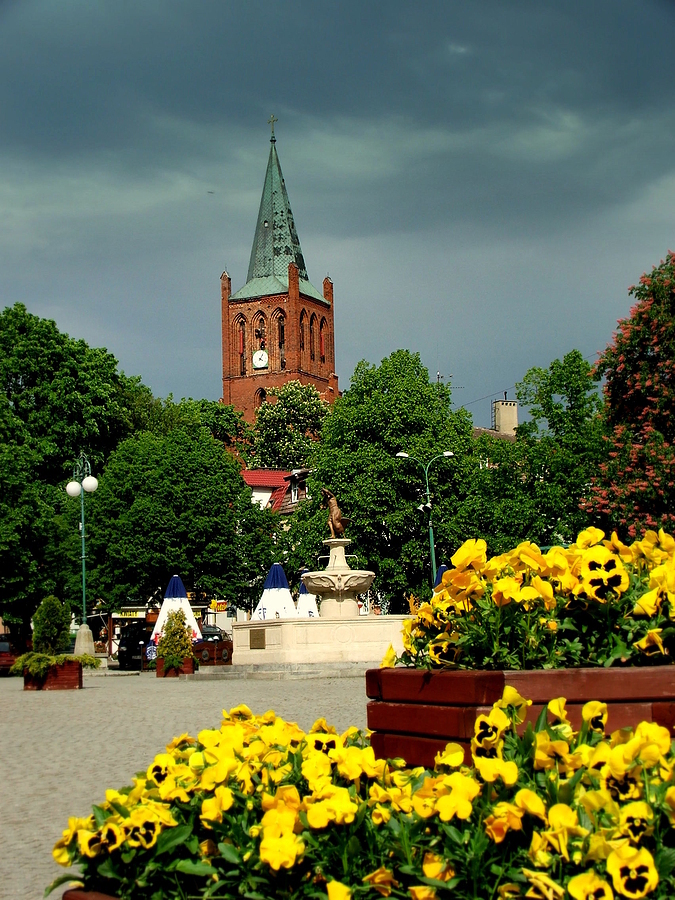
(277, 327)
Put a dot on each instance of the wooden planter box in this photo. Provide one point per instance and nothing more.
(187, 668)
(79, 894)
(65, 677)
(414, 713)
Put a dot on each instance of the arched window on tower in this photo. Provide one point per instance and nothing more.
(303, 327)
(260, 398)
(312, 338)
(241, 337)
(281, 333)
(323, 337)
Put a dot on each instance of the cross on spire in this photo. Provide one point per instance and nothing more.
(272, 119)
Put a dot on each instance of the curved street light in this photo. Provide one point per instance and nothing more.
(82, 481)
(426, 507)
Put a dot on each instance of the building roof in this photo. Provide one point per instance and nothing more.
(276, 243)
(274, 480)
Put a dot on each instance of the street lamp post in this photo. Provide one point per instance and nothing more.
(446, 453)
(83, 481)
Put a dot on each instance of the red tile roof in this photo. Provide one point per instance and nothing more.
(269, 478)
(272, 479)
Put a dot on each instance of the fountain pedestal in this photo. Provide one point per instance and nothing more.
(338, 586)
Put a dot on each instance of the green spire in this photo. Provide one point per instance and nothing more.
(276, 242)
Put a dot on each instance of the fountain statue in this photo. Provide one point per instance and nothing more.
(337, 585)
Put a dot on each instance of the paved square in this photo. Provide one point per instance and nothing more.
(60, 750)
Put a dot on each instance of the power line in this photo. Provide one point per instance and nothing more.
(512, 388)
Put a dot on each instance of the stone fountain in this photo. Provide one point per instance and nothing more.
(339, 637)
(338, 585)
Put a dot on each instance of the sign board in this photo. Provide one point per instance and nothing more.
(129, 614)
(218, 606)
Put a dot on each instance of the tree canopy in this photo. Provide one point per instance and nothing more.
(387, 408)
(176, 504)
(287, 427)
(635, 486)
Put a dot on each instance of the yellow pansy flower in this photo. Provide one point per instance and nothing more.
(539, 852)
(511, 698)
(382, 880)
(389, 658)
(142, 828)
(530, 802)
(543, 887)
(422, 892)
(380, 814)
(589, 886)
(60, 852)
(452, 756)
(589, 537)
(458, 802)
(338, 891)
(651, 643)
(548, 753)
(280, 848)
(213, 807)
(595, 714)
(504, 817)
(632, 871)
(636, 820)
(436, 867)
(472, 553)
(489, 729)
(601, 572)
(492, 769)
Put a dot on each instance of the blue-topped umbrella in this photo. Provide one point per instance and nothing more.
(276, 578)
(175, 588)
(439, 575)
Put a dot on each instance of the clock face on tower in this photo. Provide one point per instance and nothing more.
(260, 359)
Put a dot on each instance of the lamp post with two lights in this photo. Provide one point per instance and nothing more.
(83, 481)
(427, 506)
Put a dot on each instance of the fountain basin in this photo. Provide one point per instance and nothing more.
(338, 586)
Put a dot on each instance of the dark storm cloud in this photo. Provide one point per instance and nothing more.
(441, 150)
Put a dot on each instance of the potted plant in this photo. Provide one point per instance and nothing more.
(174, 650)
(47, 667)
(591, 620)
(259, 808)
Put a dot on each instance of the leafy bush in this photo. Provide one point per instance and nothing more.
(51, 626)
(260, 809)
(175, 644)
(39, 664)
(596, 603)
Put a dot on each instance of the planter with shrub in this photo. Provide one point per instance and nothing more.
(174, 650)
(47, 667)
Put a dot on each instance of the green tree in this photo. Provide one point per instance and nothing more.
(51, 626)
(176, 504)
(287, 427)
(387, 408)
(57, 397)
(562, 443)
(635, 487)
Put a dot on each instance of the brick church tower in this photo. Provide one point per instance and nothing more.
(277, 327)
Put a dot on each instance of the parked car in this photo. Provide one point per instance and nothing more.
(8, 656)
(215, 647)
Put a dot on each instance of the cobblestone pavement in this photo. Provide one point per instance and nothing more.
(60, 750)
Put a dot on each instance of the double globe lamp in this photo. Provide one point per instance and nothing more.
(83, 481)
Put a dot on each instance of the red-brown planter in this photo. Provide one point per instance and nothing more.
(67, 676)
(187, 668)
(414, 713)
(86, 895)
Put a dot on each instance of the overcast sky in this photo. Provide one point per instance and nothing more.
(482, 180)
